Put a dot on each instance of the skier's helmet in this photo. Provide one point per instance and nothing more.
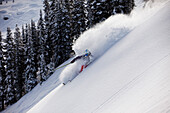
(87, 52)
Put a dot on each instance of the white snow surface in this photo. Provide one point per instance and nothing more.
(20, 12)
(71, 71)
(130, 72)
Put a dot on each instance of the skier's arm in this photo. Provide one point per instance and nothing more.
(79, 57)
(73, 60)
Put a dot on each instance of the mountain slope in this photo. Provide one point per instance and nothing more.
(20, 12)
(132, 76)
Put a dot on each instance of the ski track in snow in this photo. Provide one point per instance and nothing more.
(129, 84)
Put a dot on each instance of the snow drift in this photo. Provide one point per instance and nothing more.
(71, 71)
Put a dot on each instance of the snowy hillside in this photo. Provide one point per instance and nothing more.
(130, 72)
(20, 12)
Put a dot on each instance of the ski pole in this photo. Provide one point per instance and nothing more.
(61, 66)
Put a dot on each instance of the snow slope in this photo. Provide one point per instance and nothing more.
(130, 74)
(20, 12)
(131, 77)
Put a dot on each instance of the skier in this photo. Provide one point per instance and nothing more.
(85, 58)
(78, 64)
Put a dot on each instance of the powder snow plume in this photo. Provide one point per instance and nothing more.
(104, 35)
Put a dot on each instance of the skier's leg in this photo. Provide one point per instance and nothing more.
(82, 67)
(73, 77)
(85, 66)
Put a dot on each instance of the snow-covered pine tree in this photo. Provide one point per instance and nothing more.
(24, 36)
(66, 39)
(42, 66)
(123, 6)
(55, 32)
(90, 13)
(24, 48)
(127, 6)
(2, 76)
(10, 69)
(19, 63)
(46, 11)
(36, 44)
(47, 30)
(117, 7)
(78, 18)
(98, 11)
(101, 13)
(30, 70)
(22, 57)
(110, 7)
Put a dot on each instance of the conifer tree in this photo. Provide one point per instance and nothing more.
(47, 30)
(42, 70)
(55, 34)
(23, 36)
(113, 7)
(66, 40)
(30, 70)
(36, 45)
(98, 11)
(10, 69)
(2, 76)
(23, 49)
(102, 8)
(19, 62)
(127, 6)
(90, 13)
(78, 18)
